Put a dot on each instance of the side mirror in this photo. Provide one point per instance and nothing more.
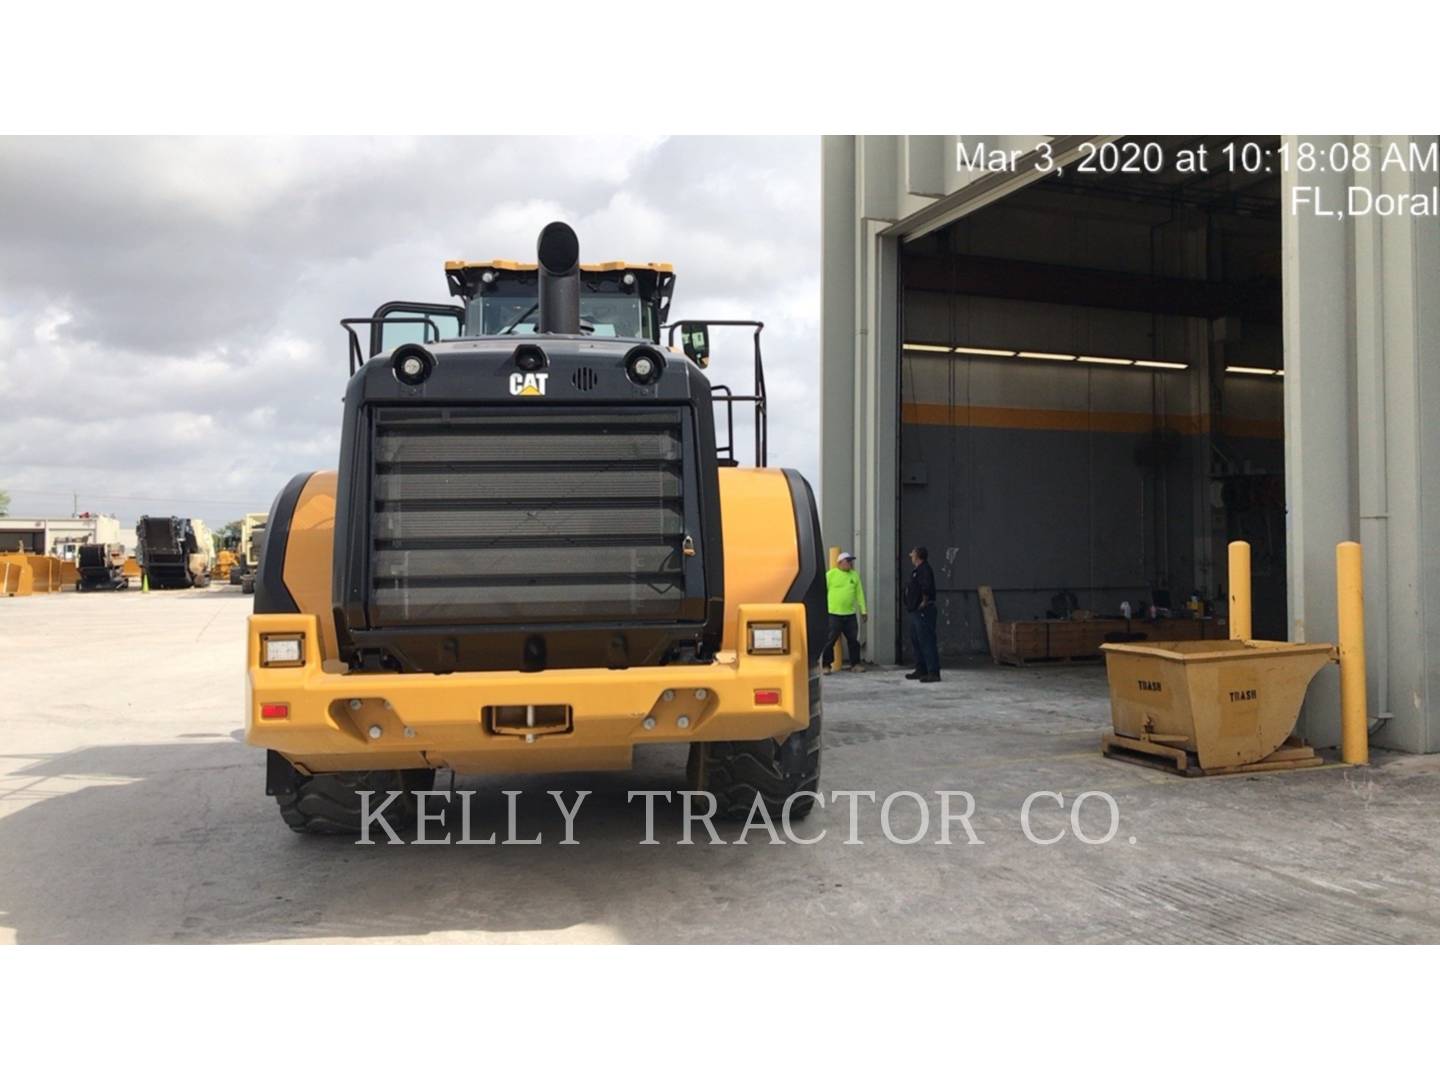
(695, 340)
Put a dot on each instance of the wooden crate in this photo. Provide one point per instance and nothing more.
(1051, 640)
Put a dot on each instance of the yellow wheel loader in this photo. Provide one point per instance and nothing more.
(535, 556)
(252, 542)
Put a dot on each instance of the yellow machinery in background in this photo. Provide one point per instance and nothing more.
(225, 563)
(539, 552)
(1207, 708)
(22, 575)
(247, 557)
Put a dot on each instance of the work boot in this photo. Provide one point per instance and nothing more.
(915, 675)
(932, 676)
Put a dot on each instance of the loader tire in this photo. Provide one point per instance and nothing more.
(736, 773)
(328, 804)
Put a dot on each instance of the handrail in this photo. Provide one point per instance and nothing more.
(757, 398)
(357, 357)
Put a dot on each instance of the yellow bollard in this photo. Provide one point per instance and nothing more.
(144, 582)
(1350, 609)
(838, 660)
(1240, 591)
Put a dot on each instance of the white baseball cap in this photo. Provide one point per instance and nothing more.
(845, 556)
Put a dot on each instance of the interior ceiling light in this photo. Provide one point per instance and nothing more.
(1026, 354)
(1237, 370)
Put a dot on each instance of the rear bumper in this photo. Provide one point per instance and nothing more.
(430, 721)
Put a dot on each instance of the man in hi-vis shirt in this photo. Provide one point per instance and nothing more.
(845, 601)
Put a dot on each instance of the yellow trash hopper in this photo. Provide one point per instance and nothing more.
(1205, 708)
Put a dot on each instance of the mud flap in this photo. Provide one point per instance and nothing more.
(794, 754)
(280, 775)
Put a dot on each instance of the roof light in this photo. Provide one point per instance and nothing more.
(1105, 360)
(1168, 364)
(1046, 356)
(1235, 369)
(984, 352)
(912, 346)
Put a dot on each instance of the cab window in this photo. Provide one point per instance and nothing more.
(385, 336)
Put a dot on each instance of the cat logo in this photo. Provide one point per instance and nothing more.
(528, 384)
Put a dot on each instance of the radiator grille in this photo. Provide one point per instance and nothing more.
(508, 516)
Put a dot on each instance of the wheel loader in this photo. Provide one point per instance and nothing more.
(252, 542)
(101, 566)
(174, 553)
(537, 553)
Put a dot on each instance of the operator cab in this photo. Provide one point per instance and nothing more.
(617, 300)
(622, 300)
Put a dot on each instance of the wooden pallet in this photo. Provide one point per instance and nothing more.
(1176, 759)
(1051, 661)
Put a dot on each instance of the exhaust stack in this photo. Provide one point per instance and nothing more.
(558, 253)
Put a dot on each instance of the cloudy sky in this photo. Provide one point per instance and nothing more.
(168, 307)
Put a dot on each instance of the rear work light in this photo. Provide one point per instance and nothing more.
(767, 697)
(282, 650)
(769, 639)
(274, 712)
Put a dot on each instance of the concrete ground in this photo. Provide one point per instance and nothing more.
(131, 811)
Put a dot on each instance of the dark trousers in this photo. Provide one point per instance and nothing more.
(849, 627)
(922, 641)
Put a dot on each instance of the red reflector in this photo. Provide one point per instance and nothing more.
(274, 712)
(767, 697)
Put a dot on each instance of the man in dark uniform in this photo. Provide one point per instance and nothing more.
(921, 611)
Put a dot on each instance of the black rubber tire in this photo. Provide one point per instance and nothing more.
(328, 804)
(737, 772)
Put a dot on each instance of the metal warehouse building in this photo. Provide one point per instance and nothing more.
(1077, 387)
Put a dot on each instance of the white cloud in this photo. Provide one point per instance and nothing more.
(169, 307)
